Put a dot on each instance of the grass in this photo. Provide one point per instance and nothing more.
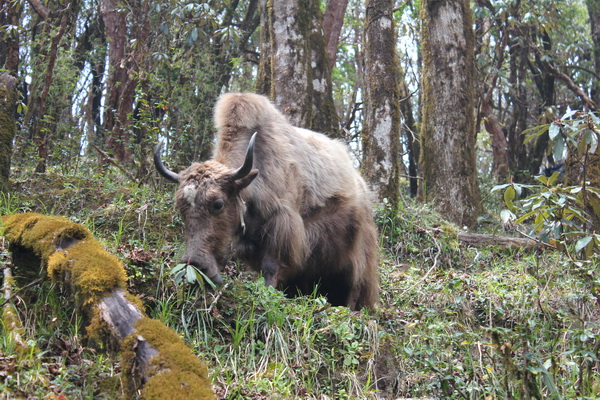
(454, 322)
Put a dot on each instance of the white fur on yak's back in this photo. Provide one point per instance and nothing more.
(326, 168)
(244, 110)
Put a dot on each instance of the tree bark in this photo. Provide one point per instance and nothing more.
(491, 122)
(381, 134)
(517, 153)
(593, 7)
(324, 115)
(448, 127)
(37, 107)
(410, 132)
(120, 86)
(290, 57)
(333, 20)
(9, 44)
(8, 126)
(503, 242)
(294, 71)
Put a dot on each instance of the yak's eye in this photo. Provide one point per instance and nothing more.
(218, 205)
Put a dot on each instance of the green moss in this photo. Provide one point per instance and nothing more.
(11, 320)
(14, 328)
(8, 129)
(43, 234)
(90, 270)
(175, 373)
(83, 264)
(136, 301)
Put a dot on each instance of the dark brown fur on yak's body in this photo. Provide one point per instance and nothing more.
(299, 213)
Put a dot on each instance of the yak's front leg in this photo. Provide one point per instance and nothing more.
(270, 271)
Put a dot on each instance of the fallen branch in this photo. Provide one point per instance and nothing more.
(121, 168)
(156, 362)
(504, 242)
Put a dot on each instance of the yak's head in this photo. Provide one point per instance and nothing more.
(209, 201)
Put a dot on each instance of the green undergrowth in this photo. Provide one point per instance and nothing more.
(454, 322)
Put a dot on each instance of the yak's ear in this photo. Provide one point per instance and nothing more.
(245, 181)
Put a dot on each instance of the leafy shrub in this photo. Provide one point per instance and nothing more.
(560, 213)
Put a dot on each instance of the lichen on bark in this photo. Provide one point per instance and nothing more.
(448, 125)
(8, 126)
(381, 134)
(294, 71)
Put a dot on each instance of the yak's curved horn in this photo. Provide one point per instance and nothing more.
(248, 161)
(160, 167)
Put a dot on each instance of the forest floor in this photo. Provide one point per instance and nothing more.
(454, 323)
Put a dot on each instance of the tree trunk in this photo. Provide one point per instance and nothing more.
(518, 121)
(265, 67)
(545, 82)
(9, 43)
(8, 126)
(324, 117)
(294, 70)
(448, 127)
(290, 85)
(120, 86)
(381, 134)
(492, 124)
(333, 20)
(410, 132)
(593, 7)
(36, 118)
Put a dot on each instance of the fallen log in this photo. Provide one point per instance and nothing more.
(156, 363)
(11, 323)
(505, 242)
(480, 240)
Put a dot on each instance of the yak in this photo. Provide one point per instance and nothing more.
(285, 200)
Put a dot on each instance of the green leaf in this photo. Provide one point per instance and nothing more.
(554, 131)
(553, 178)
(575, 189)
(530, 136)
(582, 243)
(499, 187)
(558, 149)
(524, 217)
(509, 196)
(542, 179)
(539, 221)
(190, 274)
(176, 269)
(207, 279)
(593, 142)
(582, 147)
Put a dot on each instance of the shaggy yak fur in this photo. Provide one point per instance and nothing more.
(287, 201)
